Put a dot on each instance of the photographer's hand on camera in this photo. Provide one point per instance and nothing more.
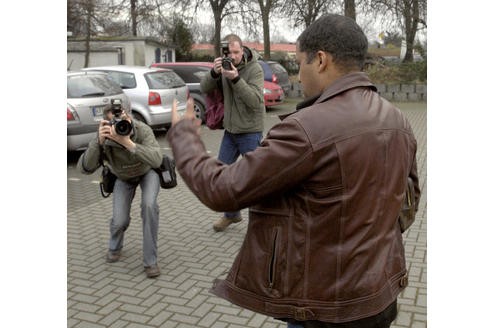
(107, 131)
(230, 74)
(104, 130)
(217, 65)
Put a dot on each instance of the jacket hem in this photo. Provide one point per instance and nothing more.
(302, 310)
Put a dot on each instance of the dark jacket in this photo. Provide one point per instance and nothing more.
(124, 164)
(324, 189)
(244, 105)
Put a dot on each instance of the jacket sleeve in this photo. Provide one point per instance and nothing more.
(282, 161)
(147, 148)
(413, 172)
(250, 88)
(89, 160)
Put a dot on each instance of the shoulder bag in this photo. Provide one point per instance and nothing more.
(166, 172)
(214, 108)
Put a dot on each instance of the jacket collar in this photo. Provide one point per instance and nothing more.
(344, 83)
(247, 57)
(303, 104)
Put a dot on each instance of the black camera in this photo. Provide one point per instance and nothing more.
(226, 60)
(122, 127)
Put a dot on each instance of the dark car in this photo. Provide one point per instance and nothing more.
(192, 72)
(276, 73)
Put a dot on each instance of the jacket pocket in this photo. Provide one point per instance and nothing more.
(272, 265)
(261, 261)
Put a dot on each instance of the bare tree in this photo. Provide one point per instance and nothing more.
(140, 15)
(410, 16)
(221, 9)
(307, 11)
(350, 9)
(203, 33)
(266, 8)
(86, 18)
(134, 14)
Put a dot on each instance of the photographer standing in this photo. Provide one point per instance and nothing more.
(242, 85)
(130, 149)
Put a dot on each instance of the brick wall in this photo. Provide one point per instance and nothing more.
(391, 92)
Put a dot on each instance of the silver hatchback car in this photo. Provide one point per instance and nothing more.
(150, 90)
(87, 94)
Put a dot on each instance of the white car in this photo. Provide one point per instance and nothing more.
(87, 94)
(150, 90)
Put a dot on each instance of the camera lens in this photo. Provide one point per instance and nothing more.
(123, 128)
(226, 63)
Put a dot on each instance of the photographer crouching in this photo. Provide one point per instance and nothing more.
(130, 150)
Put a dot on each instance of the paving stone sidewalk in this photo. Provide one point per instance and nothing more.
(191, 256)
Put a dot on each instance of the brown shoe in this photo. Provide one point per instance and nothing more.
(113, 256)
(152, 271)
(224, 222)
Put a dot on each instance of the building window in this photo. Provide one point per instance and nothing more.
(167, 56)
(158, 55)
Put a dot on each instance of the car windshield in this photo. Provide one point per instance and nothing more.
(164, 80)
(191, 74)
(124, 79)
(81, 86)
(277, 68)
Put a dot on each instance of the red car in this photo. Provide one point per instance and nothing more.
(273, 94)
(192, 72)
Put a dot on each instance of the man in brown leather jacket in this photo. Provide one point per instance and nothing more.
(323, 247)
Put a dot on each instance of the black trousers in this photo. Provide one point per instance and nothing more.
(382, 320)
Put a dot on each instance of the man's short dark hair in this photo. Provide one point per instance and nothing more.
(338, 35)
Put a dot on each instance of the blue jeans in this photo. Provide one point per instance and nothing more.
(293, 325)
(381, 320)
(123, 194)
(233, 145)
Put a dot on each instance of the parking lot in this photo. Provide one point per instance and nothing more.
(191, 255)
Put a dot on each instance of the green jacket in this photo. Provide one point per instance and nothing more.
(124, 164)
(243, 100)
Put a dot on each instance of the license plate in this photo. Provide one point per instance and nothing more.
(98, 112)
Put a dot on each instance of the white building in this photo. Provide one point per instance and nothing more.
(141, 51)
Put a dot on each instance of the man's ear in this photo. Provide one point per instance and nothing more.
(324, 59)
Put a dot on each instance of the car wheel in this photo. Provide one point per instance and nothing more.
(138, 117)
(199, 110)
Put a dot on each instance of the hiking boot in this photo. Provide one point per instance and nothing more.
(224, 222)
(152, 271)
(113, 256)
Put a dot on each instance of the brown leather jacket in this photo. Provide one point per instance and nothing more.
(324, 190)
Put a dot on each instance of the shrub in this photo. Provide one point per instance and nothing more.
(388, 73)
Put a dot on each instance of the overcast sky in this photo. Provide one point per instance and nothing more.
(283, 27)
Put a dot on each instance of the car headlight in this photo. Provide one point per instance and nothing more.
(267, 91)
